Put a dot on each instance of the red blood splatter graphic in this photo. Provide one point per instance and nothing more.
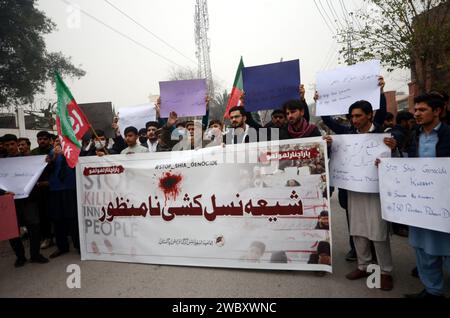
(170, 185)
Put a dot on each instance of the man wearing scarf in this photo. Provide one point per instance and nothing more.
(298, 126)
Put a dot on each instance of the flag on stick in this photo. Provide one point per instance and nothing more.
(71, 123)
(237, 91)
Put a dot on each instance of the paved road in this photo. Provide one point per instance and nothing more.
(107, 279)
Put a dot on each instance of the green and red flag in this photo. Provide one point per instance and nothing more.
(237, 91)
(71, 123)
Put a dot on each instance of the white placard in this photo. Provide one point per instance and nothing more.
(20, 174)
(341, 87)
(136, 116)
(352, 161)
(415, 191)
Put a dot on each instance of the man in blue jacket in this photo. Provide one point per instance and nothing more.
(431, 139)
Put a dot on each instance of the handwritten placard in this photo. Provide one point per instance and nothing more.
(20, 174)
(415, 191)
(341, 87)
(186, 98)
(269, 86)
(136, 116)
(8, 218)
(352, 164)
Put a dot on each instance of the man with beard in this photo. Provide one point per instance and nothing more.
(240, 131)
(298, 126)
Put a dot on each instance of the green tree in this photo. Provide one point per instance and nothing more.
(412, 34)
(218, 105)
(25, 64)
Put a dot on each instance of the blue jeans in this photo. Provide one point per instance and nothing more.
(431, 271)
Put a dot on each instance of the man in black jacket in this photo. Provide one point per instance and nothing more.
(27, 215)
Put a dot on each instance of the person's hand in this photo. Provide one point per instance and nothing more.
(173, 117)
(390, 142)
(381, 83)
(207, 100)
(100, 153)
(316, 96)
(242, 99)
(158, 107)
(302, 91)
(42, 184)
(377, 162)
(115, 125)
(328, 139)
(57, 150)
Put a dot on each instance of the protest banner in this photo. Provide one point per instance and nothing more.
(194, 208)
(352, 164)
(100, 116)
(270, 86)
(185, 97)
(414, 191)
(8, 219)
(341, 87)
(136, 116)
(20, 174)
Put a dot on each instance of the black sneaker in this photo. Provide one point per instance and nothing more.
(39, 259)
(58, 253)
(351, 256)
(20, 262)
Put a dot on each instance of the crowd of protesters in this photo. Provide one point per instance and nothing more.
(49, 214)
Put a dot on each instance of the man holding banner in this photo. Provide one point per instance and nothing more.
(432, 139)
(27, 215)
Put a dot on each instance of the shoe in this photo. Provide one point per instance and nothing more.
(320, 273)
(20, 262)
(47, 243)
(386, 282)
(357, 274)
(39, 259)
(402, 232)
(415, 272)
(351, 256)
(57, 253)
(423, 294)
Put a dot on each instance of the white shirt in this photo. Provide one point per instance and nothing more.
(247, 127)
(135, 149)
(152, 146)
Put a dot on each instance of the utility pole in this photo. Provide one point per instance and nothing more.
(203, 44)
(348, 39)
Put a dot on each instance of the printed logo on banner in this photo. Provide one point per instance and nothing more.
(103, 170)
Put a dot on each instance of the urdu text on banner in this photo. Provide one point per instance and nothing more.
(242, 206)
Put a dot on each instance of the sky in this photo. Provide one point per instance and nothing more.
(126, 68)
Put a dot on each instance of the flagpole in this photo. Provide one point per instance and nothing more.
(96, 136)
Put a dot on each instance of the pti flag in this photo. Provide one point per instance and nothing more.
(71, 123)
(237, 91)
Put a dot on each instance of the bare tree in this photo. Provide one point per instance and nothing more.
(410, 34)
